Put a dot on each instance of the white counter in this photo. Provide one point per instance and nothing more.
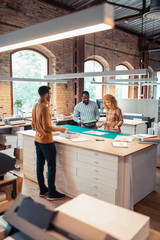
(122, 176)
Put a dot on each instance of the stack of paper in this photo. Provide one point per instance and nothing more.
(9, 152)
(154, 140)
(146, 138)
(7, 139)
(119, 144)
(3, 198)
(124, 138)
(19, 136)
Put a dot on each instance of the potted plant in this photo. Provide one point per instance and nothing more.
(18, 105)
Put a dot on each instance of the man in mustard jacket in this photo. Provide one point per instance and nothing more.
(45, 147)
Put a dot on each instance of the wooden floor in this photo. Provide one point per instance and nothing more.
(149, 206)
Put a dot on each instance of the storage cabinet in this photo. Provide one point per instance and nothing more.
(121, 179)
(29, 159)
(77, 170)
(9, 187)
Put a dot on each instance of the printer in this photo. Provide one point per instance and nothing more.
(2, 122)
(7, 164)
(14, 120)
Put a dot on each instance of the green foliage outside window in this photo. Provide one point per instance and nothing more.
(18, 105)
(27, 64)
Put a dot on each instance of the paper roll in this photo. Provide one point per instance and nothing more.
(150, 131)
(156, 129)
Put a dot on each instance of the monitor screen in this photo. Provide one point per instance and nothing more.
(99, 103)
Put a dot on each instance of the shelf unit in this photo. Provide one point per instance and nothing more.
(9, 179)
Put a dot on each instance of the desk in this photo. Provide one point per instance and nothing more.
(130, 126)
(98, 169)
(16, 125)
(8, 179)
(8, 128)
(134, 126)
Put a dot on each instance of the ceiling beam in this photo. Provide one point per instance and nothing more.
(123, 6)
(128, 18)
(91, 4)
(9, 24)
(145, 47)
(57, 4)
(150, 36)
(127, 30)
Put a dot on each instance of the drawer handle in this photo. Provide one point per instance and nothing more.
(95, 187)
(96, 170)
(95, 195)
(96, 178)
(96, 162)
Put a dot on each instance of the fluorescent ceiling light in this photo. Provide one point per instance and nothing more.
(93, 19)
(133, 80)
(106, 83)
(31, 80)
(151, 84)
(133, 72)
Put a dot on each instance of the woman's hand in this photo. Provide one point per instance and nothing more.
(116, 127)
(99, 125)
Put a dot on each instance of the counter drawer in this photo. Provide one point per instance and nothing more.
(29, 156)
(97, 170)
(96, 186)
(66, 161)
(109, 179)
(30, 167)
(95, 193)
(96, 154)
(64, 147)
(30, 175)
(28, 141)
(66, 154)
(108, 163)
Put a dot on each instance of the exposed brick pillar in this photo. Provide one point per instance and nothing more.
(144, 64)
(78, 66)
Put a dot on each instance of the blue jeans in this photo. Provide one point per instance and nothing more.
(46, 152)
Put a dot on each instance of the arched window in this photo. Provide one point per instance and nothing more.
(121, 91)
(95, 91)
(27, 64)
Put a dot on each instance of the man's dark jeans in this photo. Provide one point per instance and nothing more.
(46, 152)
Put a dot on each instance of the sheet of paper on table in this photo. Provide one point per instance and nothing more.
(58, 138)
(119, 144)
(124, 138)
(79, 139)
(96, 132)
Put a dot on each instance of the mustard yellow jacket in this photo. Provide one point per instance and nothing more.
(41, 121)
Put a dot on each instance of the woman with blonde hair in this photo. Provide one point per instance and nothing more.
(114, 117)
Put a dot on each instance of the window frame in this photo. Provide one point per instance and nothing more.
(11, 64)
(93, 59)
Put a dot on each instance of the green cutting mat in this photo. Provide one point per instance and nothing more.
(108, 134)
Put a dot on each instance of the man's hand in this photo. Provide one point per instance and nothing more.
(82, 122)
(62, 129)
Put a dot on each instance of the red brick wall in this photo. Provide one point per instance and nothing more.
(17, 14)
(112, 48)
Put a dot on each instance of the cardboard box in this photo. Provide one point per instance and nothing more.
(92, 219)
(19, 182)
(19, 153)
